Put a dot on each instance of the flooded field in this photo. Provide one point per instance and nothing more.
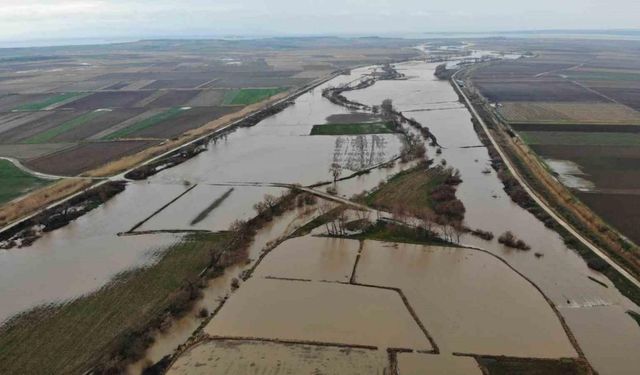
(318, 312)
(470, 301)
(560, 273)
(311, 258)
(230, 357)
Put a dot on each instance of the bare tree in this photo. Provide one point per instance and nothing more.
(336, 170)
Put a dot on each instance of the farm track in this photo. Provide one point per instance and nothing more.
(534, 195)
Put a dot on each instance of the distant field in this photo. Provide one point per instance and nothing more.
(16, 182)
(558, 112)
(86, 156)
(36, 106)
(48, 135)
(580, 138)
(621, 210)
(533, 90)
(146, 123)
(352, 128)
(250, 96)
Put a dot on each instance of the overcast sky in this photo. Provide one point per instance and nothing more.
(73, 19)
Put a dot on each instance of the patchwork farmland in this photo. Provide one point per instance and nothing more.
(580, 112)
(106, 102)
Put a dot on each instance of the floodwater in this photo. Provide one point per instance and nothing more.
(468, 300)
(311, 258)
(228, 357)
(560, 273)
(420, 364)
(86, 254)
(318, 312)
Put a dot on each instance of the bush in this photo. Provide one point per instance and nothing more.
(510, 240)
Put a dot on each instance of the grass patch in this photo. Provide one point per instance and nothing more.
(37, 106)
(408, 188)
(580, 138)
(388, 232)
(353, 128)
(15, 182)
(327, 217)
(76, 336)
(523, 366)
(250, 96)
(146, 123)
(48, 135)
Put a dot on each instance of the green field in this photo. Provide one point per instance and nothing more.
(250, 96)
(14, 182)
(48, 135)
(72, 337)
(36, 106)
(146, 123)
(353, 128)
(580, 138)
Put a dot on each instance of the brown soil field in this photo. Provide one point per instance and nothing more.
(531, 112)
(12, 120)
(207, 98)
(609, 167)
(10, 102)
(117, 86)
(187, 83)
(187, 120)
(104, 121)
(523, 69)
(627, 96)
(36, 126)
(30, 151)
(620, 210)
(577, 127)
(117, 99)
(173, 99)
(533, 90)
(87, 156)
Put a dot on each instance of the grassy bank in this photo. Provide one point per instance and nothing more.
(352, 128)
(409, 188)
(108, 326)
(388, 232)
(15, 182)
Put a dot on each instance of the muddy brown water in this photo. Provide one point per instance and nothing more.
(468, 300)
(560, 273)
(279, 149)
(85, 255)
(318, 312)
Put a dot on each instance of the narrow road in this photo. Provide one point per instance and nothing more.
(535, 196)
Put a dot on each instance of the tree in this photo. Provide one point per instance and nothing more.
(336, 171)
(386, 107)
